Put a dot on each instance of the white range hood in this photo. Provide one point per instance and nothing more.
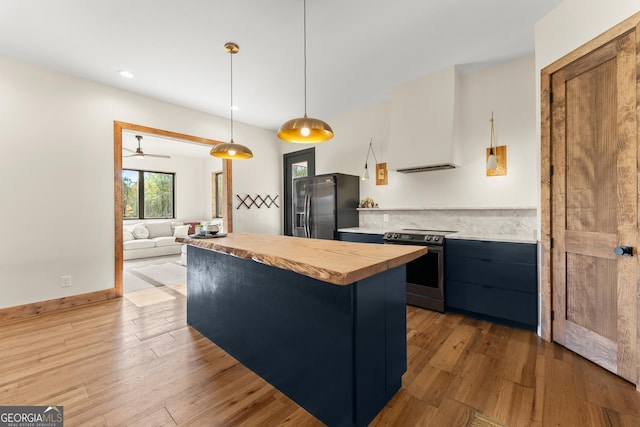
(424, 122)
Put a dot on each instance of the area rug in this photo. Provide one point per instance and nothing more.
(148, 297)
(180, 288)
(134, 283)
(165, 274)
(480, 420)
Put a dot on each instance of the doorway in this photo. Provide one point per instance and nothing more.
(296, 165)
(590, 202)
(118, 128)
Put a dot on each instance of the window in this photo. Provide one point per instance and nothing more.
(299, 170)
(217, 194)
(148, 195)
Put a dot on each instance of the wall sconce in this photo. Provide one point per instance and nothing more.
(496, 156)
(381, 168)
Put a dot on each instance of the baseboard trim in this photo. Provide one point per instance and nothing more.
(36, 309)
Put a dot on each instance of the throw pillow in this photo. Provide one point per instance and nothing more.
(159, 229)
(181, 231)
(127, 235)
(141, 232)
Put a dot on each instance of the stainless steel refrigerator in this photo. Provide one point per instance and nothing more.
(324, 203)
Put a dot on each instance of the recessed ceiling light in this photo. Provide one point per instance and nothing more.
(234, 107)
(125, 74)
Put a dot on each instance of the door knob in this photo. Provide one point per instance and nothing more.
(623, 250)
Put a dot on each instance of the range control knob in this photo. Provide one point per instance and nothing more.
(436, 238)
(428, 239)
(395, 236)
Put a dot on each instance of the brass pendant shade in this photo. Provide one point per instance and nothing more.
(230, 150)
(305, 130)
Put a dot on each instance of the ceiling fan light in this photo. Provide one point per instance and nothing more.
(231, 151)
(305, 130)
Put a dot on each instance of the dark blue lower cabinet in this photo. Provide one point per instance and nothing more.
(495, 280)
(337, 351)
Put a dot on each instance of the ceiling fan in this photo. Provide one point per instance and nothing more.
(140, 154)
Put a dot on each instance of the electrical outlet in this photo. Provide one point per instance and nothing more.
(385, 217)
(65, 281)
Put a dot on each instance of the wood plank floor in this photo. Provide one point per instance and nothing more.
(118, 363)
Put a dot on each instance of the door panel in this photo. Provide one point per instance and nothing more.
(587, 305)
(594, 206)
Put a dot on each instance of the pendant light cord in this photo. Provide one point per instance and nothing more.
(231, 106)
(493, 136)
(370, 151)
(304, 30)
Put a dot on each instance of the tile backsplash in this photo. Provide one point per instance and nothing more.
(511, 221)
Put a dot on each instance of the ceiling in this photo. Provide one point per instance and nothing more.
(357, 50)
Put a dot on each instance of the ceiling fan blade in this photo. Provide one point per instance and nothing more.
(139, 153)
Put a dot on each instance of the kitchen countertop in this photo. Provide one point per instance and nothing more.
(459, 235)
(332, 261)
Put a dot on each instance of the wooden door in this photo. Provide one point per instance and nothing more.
(594, 190)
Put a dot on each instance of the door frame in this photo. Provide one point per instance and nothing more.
(546, 167)
(287, 191)
(118, 127)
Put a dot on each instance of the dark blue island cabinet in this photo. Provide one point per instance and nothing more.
(338, 351)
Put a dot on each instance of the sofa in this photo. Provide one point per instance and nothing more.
(150, 239)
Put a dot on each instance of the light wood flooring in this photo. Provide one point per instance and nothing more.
(117, 363)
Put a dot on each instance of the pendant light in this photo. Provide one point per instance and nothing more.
(230, 150)
(491, 161)
(305, 130)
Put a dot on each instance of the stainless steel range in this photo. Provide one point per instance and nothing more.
(425, 275)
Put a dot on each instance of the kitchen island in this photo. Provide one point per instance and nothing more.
(322, 321)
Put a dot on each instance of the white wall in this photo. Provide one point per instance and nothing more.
(508, 89)
(56, 176)
(262, 176)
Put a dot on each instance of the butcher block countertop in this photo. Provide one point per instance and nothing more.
(332, 261)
